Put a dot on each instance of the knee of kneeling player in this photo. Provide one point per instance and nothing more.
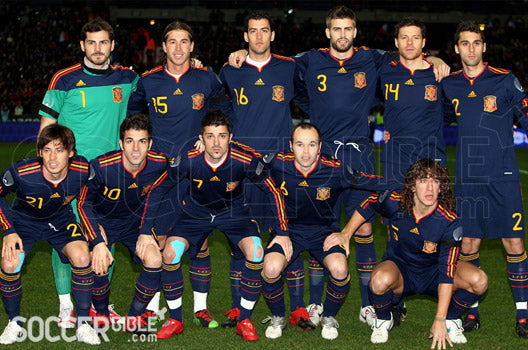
(80, 260)
(14, 265)
(480, 282)
(339, 271)
(379, 283)
(152, 259)
(256, 253)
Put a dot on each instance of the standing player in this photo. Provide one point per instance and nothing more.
(413, 104)
(422, 253)
(215, 201)
(45, 187)
(261, 91)
(111, 205)
(91, 99)
(484, 102)
(311, 183)
(177, 97)
(341, 83)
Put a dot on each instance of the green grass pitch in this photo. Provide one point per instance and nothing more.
(497, 308)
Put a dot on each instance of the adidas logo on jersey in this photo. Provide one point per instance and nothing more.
(472, 94)
(303, 183)
(134, 185)
(415, 231)
(259, 82)
(55, 195)
(80, 83)
(177, 92)
(214, 178)
(409, 82)
(342, 70)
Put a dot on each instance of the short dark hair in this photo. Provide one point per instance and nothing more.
(305, 126)
(468, 26)
(340, 12)
(177, 25)
(408, 22)
(257, 15)
(136, 121)
(96, 25)
(53, 132)
(422, 169)
(215, 117)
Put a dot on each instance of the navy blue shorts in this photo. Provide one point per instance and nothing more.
(170, 208)
(196, 228)
(424, 282)
(58, 232)
(127, 233)
(359, 157)
(310, 239)
(492, 210)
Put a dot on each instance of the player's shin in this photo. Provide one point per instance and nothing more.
(200, 276)
(316, 274)
(250, 285)
(82, 284)
(460, 302)
(295, 279)
(235, 273)
(273, 291)
(382, 303)
(172, 281)
(147, 285)
(472, 258)
(101, 294)
(336, 291)
(11, 289)
(365, 263)
(518, 276)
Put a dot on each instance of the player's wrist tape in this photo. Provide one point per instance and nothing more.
(440, 319)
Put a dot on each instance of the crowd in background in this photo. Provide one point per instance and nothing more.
(35, 42)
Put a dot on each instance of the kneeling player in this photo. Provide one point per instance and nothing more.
(44, 187)
(422, 253)
(110, 207)
(215, 201)
(311, 183)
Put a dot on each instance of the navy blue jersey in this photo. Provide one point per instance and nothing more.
(418, 244)
(413, 114)
(341, 92)
(484, 108)
(310, 199)
(37, 198)
(177, 105)
(216, 190)
(113, 195)
(260, 98)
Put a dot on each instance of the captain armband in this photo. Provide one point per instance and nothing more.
(451, 243)
(261, 173)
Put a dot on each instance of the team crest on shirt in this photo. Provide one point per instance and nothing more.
(360, 80)
(146, 189)
(323, 193)
(278, 93)
(198, 101)
(429, 247)
(430, 92)
(117, 93)
(490, 103)
(230, 186)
